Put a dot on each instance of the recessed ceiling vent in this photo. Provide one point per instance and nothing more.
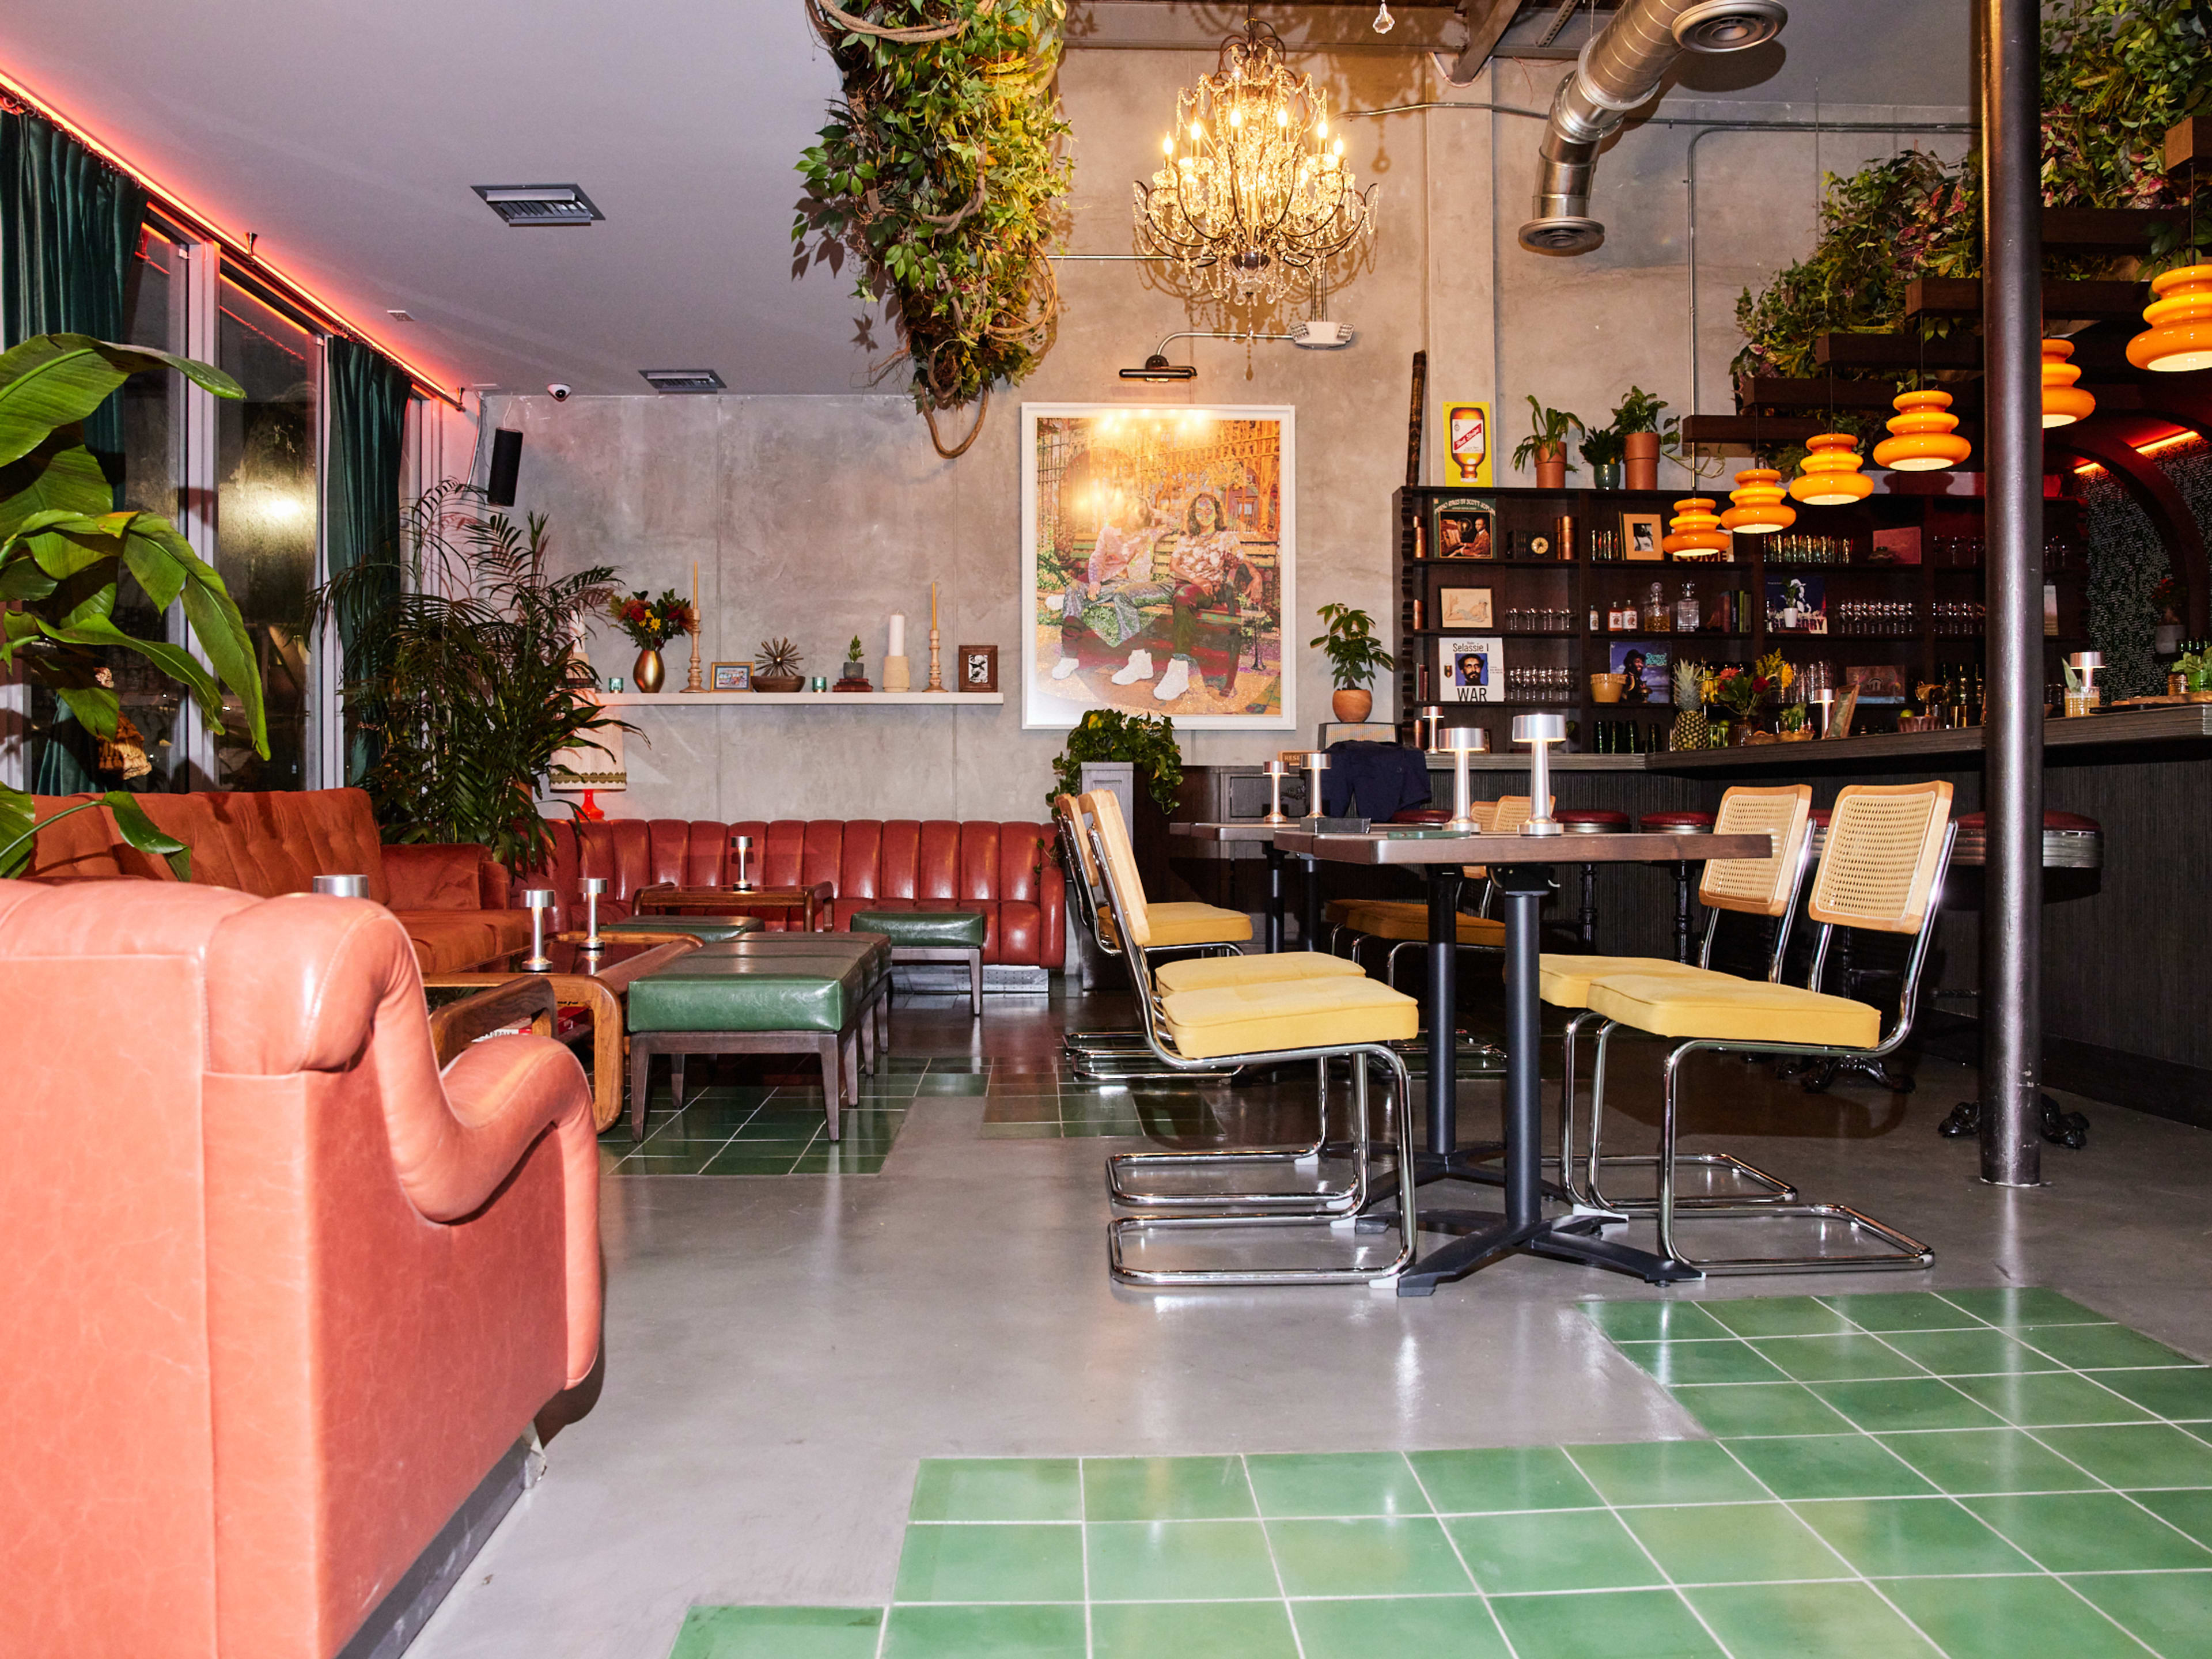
(524, 206)
(683, 379)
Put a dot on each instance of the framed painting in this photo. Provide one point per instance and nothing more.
(1159, 564)
(730, 676)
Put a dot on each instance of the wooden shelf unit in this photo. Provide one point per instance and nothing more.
(1578, 582)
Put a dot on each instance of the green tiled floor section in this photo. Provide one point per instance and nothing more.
(772, 1129)
(2001, 1474)
(1044, 1100)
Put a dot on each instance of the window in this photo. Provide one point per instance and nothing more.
(266, 516)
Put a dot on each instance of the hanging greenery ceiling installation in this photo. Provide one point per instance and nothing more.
(2116, 74)
(941, 171)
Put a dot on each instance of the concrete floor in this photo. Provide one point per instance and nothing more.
(782, 1351)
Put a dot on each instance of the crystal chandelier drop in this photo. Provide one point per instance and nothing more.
(1254, 197)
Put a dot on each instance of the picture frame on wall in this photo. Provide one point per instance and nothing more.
(1470, 670)
(1640, 536)
(730, 676)
(1159, 561)
(1464, 607)
(978, 666)
(1464, 527)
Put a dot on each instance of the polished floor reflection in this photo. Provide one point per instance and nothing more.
(790, 1358)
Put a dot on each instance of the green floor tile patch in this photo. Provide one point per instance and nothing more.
(775, 1129)
(1999, 1475)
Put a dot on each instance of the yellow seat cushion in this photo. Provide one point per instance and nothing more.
(1314, 1013)
(1567, 978)
(1408, 918)
(1735, 1010)
(1198, 924)
(1277, 968)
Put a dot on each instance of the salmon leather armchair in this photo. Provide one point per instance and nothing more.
(283, 1296)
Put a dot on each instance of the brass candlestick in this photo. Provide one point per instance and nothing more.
(936, 666)
(694, 683)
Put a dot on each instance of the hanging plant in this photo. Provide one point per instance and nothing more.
(2115, 74)
(941, 172)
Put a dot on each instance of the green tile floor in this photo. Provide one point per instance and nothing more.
(776, 1126)
(1983, 1475)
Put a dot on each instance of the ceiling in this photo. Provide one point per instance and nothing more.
(347, 138)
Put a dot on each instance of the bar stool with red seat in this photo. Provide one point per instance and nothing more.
(1680, 823)
(1590, 821)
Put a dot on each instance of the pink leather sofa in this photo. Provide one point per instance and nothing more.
(452, 901)
(280, 1296)
(1007, 871)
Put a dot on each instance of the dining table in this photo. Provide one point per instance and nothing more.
(1523, 869)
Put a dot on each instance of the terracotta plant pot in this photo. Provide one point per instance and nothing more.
(647, 672)
(1552, 469)
(1640, 460)
(1351, 705)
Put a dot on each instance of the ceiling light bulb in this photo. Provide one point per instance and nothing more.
(1167, 145)
(1235, 117)
(1338, 150)
(1383, 22)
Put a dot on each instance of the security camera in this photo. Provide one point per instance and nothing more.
(559, 390)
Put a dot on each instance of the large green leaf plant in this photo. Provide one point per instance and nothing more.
(64, 553)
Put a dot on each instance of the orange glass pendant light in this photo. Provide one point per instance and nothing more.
(1695, 531)
(1759, 509)
(2179, 337)
(1923, 435)
(2063, 403)
(1829, 474)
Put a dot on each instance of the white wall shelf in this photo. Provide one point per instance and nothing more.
(802, 699)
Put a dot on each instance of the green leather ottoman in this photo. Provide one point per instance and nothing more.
(711, 928)
(728, 999)
(932, 936)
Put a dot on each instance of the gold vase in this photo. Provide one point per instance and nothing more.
(647, 673)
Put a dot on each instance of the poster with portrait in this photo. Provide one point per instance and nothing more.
(1650, 671)
(1471, 670)
(1158, 559)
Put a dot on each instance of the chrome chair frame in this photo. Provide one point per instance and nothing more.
(1588, 1192)
(1907, 1252)
(1360, 1053)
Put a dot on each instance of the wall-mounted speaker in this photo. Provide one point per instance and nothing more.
(506, 462)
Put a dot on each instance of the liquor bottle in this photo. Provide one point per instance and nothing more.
(1596, 618)
(1657, 619)
(1686, 609)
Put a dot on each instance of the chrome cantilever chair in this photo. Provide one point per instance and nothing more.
(1404, 923)
(1764, 887)
(1882, 869)
(1206, 930)
(1260, 1024)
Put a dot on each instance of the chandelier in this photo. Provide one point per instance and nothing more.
(1254, 197)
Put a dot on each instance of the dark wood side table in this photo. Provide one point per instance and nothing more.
(668, 899)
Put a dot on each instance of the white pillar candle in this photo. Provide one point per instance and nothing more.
(898, 635)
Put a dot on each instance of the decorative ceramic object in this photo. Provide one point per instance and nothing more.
(1640, 460)
(648, 672)
(1353, 706)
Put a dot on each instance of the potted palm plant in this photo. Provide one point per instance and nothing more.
(1545, 445)
(1347, 639)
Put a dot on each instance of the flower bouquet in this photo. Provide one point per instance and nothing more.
(651, 623)
(1748, 693)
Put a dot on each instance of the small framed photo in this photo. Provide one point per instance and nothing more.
(1465, 528)
(1639, 536)
(1463, 607)
(730, 676)
(979, 667)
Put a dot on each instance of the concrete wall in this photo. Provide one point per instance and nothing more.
(815, 516)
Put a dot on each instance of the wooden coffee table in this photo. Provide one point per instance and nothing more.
(596, 982)
(667, 899)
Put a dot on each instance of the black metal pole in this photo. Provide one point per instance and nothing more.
(1445, 881)
(2012, 329)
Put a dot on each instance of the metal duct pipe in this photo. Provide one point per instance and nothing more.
(1620, 69)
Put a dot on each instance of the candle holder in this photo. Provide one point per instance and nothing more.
(692, 682)
(1275, 772)
(936, 666)
(1540, 732)
(593, 886)
(1461, 744)
(743, 846)
(897, 676)
(1315, 762)
(537, 900)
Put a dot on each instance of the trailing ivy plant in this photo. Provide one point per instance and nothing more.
(1107, 734)
(941, 171)
(2115, 74)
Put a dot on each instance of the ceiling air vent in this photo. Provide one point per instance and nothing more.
(683, 379)
(526, 206)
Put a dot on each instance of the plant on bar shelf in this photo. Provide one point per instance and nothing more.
(64, 556)
(1355, 655)
(1748, 693)
(1545, 446)
(463, 687)
(941, 171)
(1107, 734)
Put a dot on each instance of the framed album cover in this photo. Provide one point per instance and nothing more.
(1464, 527)
(1470, 670)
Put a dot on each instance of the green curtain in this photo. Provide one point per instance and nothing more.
(368, 413)
(68, 229)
